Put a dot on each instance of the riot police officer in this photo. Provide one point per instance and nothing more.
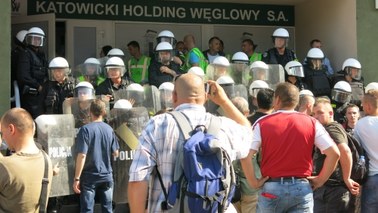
(163, 68)
(32, 72)
(58, 87)
(316, 73)
(220, 67)
(114, 87)
(351, 73)
(91, 72)
(166, 97)
(240, 68)
(294, 71)
(341, 96)
(19, 47)
(279, 54)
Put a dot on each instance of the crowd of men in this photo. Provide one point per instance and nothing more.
(294, 118)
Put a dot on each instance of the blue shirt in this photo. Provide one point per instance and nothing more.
(97, 141)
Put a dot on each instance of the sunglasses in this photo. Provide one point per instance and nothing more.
(176, 77)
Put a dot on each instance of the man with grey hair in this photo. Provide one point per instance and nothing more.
(241, 104)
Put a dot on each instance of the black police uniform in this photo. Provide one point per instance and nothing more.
(55, 93)
(107, 88)
(31, 74)
(156, 77)
(273, 57)
(317, 81)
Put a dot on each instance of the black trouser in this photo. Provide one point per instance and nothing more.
(333, 199)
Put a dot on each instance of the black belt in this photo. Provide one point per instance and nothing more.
(286, 179)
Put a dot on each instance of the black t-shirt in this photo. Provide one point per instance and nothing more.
(338, 134)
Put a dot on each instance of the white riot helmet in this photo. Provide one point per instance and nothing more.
(315, 58)
(281, 32)
(35, 37)
(315, 53)
(122, 104)
(294, 68)
(135, 92)
(164, 52)
(115, 64)
(84, 91)
(91, 67)
(240, 57)
(166, 36)
(260, 71)
(256, 86)
(221, 61)
(21, 35)
(352, 67)
(116, 52)
(371, 86)
(197, 71)
(59, 69)
(342, 92)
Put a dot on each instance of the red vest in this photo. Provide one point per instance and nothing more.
(287, 144)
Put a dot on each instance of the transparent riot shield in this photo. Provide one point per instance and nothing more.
(241, 91)
(213, 72)
(80, 110)
(166, 100)
(240, 73)
(128, 125)
(56, 133)
(152, 99)
(276, 75)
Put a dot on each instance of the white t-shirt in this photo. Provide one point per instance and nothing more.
(366, 132)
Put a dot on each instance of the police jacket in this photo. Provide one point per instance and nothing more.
(107, 87)
(317, 81)
(55, 93)
(273, 57)
(156, 77)
(32, 68)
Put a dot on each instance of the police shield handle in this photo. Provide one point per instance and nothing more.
(127, 136)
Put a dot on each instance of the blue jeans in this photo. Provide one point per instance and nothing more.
(286, 196)
(104, 191)
(369, 196)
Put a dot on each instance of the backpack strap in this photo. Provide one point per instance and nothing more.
(183, 123)
(45, 183)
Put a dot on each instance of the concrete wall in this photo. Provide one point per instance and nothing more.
(333, 22)
(5, 43)
(367, 39)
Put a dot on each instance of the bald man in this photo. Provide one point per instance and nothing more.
(21, 173)
(161, 138)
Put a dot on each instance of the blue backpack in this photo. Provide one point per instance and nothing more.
(204, 178)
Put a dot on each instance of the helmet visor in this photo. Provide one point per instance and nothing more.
(164, 56)
(35, 40)
(115, 71)
(296, 71)
(84, 93)
(354, 73)
(59, 74)
(341, 96)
